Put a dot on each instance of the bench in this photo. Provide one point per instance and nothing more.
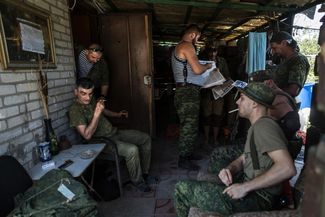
(307, 205)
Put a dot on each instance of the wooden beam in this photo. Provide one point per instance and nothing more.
(240, 23)
(230, 5)
(214, 15)
(286, 15)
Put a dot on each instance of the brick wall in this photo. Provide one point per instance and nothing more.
(21, 113)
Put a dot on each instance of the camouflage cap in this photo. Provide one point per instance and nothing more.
(259, 92)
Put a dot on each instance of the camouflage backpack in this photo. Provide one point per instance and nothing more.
(44, 200)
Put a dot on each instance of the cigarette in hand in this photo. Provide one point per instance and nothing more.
(233, 110)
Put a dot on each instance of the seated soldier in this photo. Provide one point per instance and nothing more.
(284, 111)
(265, 162)
(87, 117)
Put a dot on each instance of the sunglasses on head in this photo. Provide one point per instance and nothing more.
(96, 49)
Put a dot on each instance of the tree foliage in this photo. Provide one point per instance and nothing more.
(309, 47)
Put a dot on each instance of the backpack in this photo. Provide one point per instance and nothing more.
(44, 200)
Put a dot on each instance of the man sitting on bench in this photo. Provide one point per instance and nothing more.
(266, 163)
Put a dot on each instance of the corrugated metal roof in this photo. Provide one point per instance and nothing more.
(220, 19)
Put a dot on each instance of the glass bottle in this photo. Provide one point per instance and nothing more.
(51, 137)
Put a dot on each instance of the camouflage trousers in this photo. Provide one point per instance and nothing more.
(208, 196)
(135, 147)
(187, 104)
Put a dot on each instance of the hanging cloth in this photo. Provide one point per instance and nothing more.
(256, 52)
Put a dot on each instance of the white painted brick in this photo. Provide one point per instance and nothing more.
(25, 138)
(50, 84)
(27, 158)
(7, 90)
(26, 87)
(61, 43)
(55, 107)
(24, 82)
(15, 99)
(63, 114)
(65, 22)
(66, 15)
(59, 28)
(33, 106)
(35, 124)
(62, 121)
(66, 37)
(36, 114)
(51, 2)
(31, 76)
(3, 125)
(34, 96)
(22, 108)
(17, 120)
(60, 82)
(8, 112)
(4, 148)
(31, 1)
(13, 77)
(64, 97)
(61, 90)
(62, 5)
(56, 11)
(63, 130)
(52, 100)
(30, 146)
(68, 73)
(53, 75)
(60, 67)
(70, 46)
(67, 104)
(42, 4)
(54, 115)
(59, 51)
(10, 134)
(57, 35)
(64, 60)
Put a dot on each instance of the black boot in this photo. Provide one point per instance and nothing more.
(185, 163)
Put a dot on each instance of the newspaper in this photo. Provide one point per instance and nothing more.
(201, 79)
(223, 89)
(214, 78)
(209, 78)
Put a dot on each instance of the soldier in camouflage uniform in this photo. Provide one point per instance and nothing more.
(292, 72)
(91, 64)
(87, 117)
(187, 95)
(259, 187)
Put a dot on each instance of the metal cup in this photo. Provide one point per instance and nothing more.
(44, 151)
